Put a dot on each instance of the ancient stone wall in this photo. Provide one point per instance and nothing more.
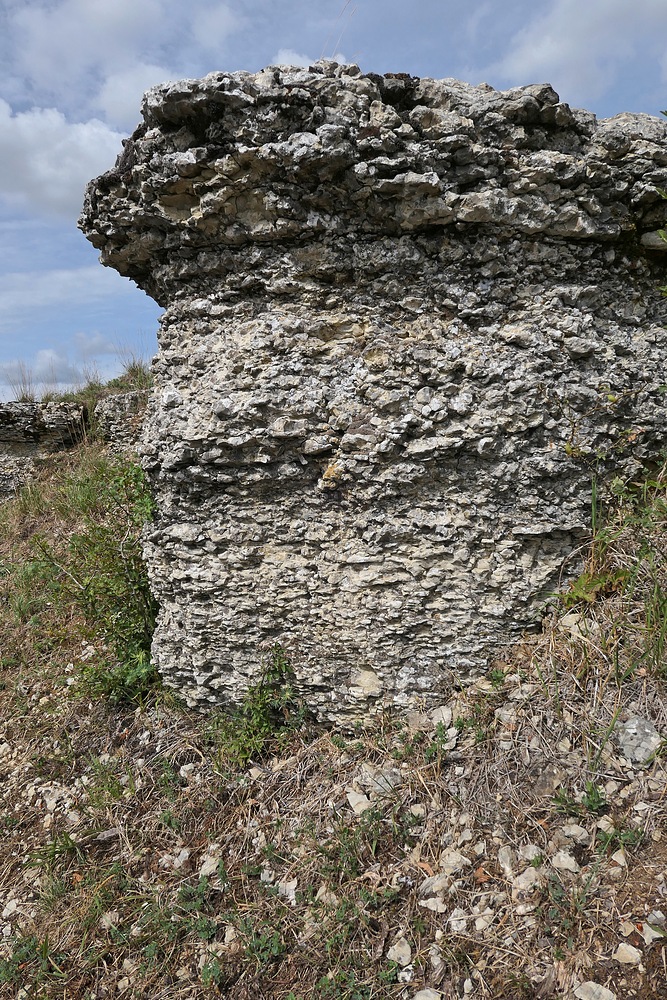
(407, 321)
(29, 433)
(118, 420)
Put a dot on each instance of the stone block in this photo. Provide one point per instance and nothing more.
(407, 322)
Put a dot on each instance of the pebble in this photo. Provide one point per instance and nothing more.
(563, 861)
(209, 866)
(442, 715)
(435, 904)
(593, 991)
(528, 852)
(627, 954)
(400, 952)
(638, 739)
(406, 974)
(506, 860)
(359, 802)
(576, 833)
(606, 825)
(458, 921)
(288, 891)
(452, 862)
(525, 883)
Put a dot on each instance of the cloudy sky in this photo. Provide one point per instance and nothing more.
(73, 72)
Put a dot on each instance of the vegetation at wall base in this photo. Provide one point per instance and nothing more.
(502, 847)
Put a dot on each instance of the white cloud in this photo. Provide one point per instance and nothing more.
(26, 292)
(50, 366)
(120, 95)
(581, 48)
(55, 44)
(90, 345)
(47, 370)
(288, 57)
(47, 161)
(77, 53)
(211, 28)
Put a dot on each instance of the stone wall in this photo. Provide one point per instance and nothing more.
(407, 321)
(119, 419)
(29, 433)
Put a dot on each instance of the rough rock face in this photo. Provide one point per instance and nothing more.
(119, 419)
(407, 321)
(29, 433)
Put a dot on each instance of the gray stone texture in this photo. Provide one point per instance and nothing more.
(119, 420)
(638, 739)
(29, 433)
(406, 323)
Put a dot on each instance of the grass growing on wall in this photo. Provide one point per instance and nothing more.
(135, 375)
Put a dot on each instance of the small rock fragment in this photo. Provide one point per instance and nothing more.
(576, 833)
(457, 921)
(593, 991)
(359, 802)
(525, 883)
(400, 952)
(564, 861)
(505, 860)
(442, 715)
(627, 955)
(638, 739)
(434, 904)
(452, 862)
(288, 891)
(209, 866)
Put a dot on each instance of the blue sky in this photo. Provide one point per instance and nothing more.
(74, 72)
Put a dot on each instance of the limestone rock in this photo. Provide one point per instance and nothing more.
(29, 433)
(626, 954)
(400, 952)
(119, 419)
(593, 991)
(638, 739)
(34, 430)
(405, 322)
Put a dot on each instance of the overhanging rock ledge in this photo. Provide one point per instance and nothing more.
(407, 321)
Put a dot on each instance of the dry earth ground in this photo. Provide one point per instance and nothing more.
(502, 846)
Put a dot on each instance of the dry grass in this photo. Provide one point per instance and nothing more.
(147, 856)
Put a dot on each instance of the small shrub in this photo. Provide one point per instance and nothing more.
(76, 568)
(624, 582)
(102, 572)
(269, 711)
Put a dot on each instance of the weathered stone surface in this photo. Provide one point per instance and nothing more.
(119, 419)
(638, 739)
(29, 432)
(406, 322)
(33, 430)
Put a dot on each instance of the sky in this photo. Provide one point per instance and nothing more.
(74, 71)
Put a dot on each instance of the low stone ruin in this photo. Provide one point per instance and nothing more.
(30, 433)
(407, 323)
(118, 419)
